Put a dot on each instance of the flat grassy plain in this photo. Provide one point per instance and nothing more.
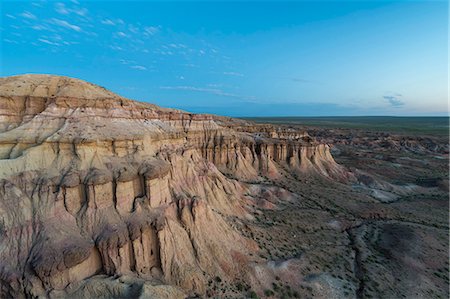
(438, 126)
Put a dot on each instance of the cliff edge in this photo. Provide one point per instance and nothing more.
(95, 187)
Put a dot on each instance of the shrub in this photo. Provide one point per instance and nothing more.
(268, 293)
(240, 287)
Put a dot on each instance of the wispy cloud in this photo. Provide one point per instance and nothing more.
(115, 48)
(126, 62)
(190, 65)
(165, 53)
(70, 43)
(46, 41)
(214, 91)
(177, 46)
(108, 22)
(28, 15)
(300, 80)
(394, 100)
(233, 74)
(80, 11)
(36, 4)
(40, 27)
(192, 88)
(6, 40)
(138, 67)
(78, 25)
(66, 24)
(133, 28)
(62, 9)
(121, 34)
(151, 30)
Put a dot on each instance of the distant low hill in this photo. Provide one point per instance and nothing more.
(415, 125)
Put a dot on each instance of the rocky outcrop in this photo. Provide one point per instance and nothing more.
(95, 185)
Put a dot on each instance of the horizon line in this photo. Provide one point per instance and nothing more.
(327, 116)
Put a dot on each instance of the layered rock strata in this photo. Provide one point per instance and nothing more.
(95, 184)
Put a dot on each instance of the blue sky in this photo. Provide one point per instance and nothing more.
(241, 58)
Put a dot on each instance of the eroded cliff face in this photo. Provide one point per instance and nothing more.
(93, 185)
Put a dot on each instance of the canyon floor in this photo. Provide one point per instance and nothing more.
(356, 240)
(106, 197)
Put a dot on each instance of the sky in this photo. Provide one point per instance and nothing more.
(297, 58)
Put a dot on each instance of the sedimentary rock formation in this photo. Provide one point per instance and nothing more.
(95, 186)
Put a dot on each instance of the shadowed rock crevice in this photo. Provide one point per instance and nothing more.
(358, 267)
